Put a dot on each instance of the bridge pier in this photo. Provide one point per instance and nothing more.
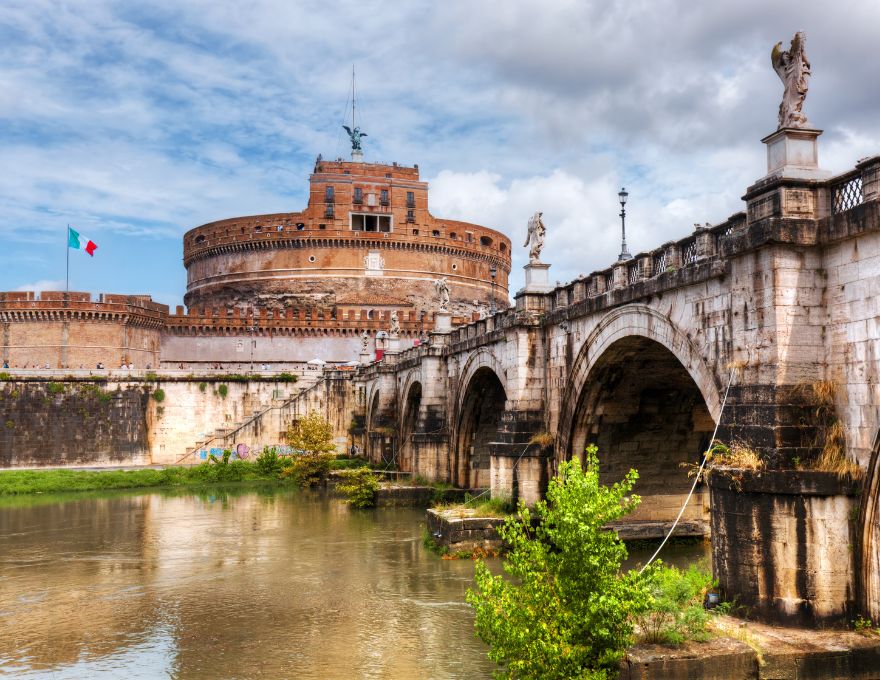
(519, 465)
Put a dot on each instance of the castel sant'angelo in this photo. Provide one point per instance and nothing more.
(282, 289)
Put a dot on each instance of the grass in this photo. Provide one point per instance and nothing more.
(481, 506)
(19, 482)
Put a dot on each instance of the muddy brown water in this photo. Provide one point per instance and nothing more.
(239, 583)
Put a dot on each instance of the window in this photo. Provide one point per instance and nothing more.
(415, 232)
(485, 241)
(410, 216)
(328, 210)
(300, 226)
(410, 199)
(452, 235)
(358, 195)
(258, 229)
(503, 247)
(362, 222)
(383, 197)
(200, 238)
(328, 194)
(311, 258)
(435, 232)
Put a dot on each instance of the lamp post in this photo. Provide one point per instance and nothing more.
(493, 270)
(624, 253)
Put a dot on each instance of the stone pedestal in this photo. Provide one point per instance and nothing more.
(393, 345)
(357, 156)
(366, 358)
(443, 322)
(537, 278)
(794, 153)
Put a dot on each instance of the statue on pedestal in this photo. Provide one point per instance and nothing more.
(395, 324)
(793, 68)
(442, 287)
(365, 342)
(355, 137)
(537, 232)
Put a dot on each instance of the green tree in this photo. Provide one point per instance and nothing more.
(312, 434)
(567, 611)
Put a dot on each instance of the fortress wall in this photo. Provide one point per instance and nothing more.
(280, 351)
(113, 423)
(87, 423)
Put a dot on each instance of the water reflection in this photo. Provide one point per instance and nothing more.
(232, 584)
(224, 584)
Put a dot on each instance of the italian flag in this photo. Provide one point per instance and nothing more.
(77, 241)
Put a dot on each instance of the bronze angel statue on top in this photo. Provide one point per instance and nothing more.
(793, 68)
(355, 136)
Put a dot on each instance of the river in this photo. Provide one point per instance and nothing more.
(242, 583)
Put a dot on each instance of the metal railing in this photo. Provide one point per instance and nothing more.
(847, 194)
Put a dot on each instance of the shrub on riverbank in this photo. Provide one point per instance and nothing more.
(360, 487)
(567, 612)
(676, 613)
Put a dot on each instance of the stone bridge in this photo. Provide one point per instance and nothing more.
(776, 303)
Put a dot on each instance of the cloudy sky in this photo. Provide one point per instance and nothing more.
(137, 121)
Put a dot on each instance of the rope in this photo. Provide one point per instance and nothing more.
(696, 477)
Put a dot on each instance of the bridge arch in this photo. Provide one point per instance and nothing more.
(640, 391)
(411, 404)
(482, 399)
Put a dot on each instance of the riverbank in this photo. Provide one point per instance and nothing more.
(62, 480)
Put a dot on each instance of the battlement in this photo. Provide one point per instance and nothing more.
(21, 303)
(263, 321)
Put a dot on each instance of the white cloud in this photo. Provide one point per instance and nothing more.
(42, 285)
(145, 120)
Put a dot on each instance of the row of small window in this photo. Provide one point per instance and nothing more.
(330, 196)
(330, 211)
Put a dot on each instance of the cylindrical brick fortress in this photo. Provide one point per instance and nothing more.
(366, 239)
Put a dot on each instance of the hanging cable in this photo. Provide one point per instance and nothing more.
(696, 477)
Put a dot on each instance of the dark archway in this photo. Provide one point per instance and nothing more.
(411, 408)
(479, 416)
(643, 410)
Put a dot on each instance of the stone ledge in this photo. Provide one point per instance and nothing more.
(785, 482)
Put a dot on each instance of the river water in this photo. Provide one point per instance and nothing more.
(228, 584)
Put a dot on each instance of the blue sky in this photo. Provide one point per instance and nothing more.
(137, 121)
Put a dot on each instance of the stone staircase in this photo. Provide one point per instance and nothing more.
(219, 438)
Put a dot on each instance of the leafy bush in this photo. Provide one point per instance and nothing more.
(286, 377)
(55, 388)
(307, 469)
(223, 390)
(4, 376)
(360, 487)
(159, 395)
(203, 386)
(348, 463)
(268, 462)
(676, 613)
(312, 434)
(567, 611)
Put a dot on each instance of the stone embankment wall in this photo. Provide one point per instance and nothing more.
(76, 423)
(161, 420)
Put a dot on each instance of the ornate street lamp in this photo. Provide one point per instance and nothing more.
(493, 270)
(624, 253)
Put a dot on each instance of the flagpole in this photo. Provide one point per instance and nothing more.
(67, 272)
